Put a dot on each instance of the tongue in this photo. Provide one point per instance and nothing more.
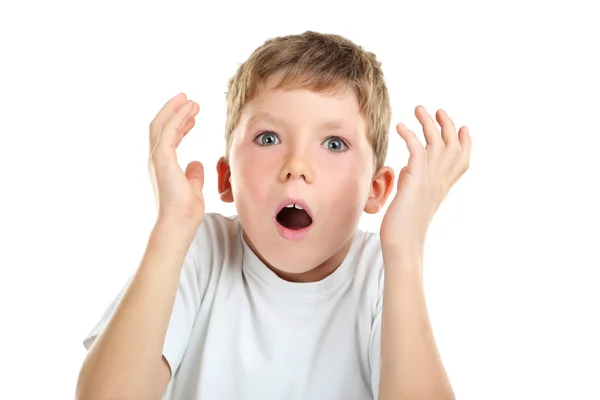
(292, 218)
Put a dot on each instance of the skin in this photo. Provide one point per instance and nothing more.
(282, 147)
(126, 361)
(338, 188)
(411, 367)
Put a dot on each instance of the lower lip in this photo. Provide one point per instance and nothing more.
(291, 234)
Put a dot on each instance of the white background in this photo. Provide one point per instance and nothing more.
(511, 262)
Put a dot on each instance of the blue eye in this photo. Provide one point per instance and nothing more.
(266, 139)
(335, 145)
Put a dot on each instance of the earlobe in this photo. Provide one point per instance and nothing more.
(381, 187)
(224, 180)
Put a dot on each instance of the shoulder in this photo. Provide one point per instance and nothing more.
(368, 260)
(216, 232)
(368, 247)
(217, 239)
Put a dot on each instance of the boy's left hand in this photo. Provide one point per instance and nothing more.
(424, 183)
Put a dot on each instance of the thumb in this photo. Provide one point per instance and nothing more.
(195, 175)
(403, 178)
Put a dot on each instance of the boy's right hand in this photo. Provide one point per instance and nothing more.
(178, 194)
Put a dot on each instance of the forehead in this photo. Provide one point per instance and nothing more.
(300, 107)
(261, 117)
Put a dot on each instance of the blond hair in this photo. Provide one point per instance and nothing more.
(318, 62)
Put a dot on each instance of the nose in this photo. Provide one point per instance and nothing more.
(296, 166)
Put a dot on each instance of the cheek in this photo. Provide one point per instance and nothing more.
(345, 168)
(252, 170)
(346, 180)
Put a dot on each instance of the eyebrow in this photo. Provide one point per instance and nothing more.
(337, 124)
(266, 117)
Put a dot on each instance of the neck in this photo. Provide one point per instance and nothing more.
(315, 274)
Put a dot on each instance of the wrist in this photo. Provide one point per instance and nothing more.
(403, 260)
(175, 229)
(403, 249)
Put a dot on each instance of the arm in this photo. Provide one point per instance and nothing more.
(410, 364)
(127, 355)
(125, 360)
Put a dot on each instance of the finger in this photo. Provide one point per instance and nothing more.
(184, 131)
(169, 135)
(190, 116)
(430, 129)
(187, 124)
(464, 138)
(449, 135)
(163, 115)
(195, 175)
(464, 159)
(418, 155)
(402, 178)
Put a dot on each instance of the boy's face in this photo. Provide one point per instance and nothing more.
(302, 147)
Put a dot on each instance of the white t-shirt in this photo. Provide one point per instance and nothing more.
(238, 331)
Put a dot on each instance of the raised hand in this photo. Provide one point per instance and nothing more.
(178, 195)
(423, 184)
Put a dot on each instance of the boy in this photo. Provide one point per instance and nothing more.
(285, 300)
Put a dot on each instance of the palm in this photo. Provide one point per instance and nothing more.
(177, 193)
(425, 181)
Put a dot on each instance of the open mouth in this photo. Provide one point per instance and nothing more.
(294, 217)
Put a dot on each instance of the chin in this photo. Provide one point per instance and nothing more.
(297, 256)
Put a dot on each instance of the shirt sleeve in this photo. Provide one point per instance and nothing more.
(185, 308)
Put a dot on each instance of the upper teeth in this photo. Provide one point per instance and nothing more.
(294, 205)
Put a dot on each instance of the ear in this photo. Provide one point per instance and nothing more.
(224, 173)
(381, 187)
